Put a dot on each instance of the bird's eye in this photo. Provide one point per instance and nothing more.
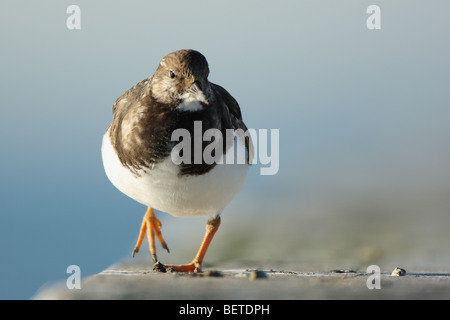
(172, 74)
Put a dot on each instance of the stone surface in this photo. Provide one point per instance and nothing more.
(136, 280)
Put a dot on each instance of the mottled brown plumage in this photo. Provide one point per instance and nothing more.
(146, 115)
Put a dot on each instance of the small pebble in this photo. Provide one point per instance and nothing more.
(158, 266)
(257, 274)
(213, 273)
(398, 272)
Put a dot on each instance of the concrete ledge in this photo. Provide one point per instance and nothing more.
(135, 279)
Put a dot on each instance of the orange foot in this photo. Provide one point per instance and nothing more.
(196, 265)
(150, 226)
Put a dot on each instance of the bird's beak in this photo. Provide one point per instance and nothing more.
(199, 91)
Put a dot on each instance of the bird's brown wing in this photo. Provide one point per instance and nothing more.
(228, 99)
(236, 118)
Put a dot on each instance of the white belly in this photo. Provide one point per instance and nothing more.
(163, 189)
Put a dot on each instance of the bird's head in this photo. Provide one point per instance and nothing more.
(182, 80)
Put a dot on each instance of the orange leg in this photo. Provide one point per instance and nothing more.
(150, 226)
(196, 265)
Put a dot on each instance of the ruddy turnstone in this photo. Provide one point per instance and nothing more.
(137, 148)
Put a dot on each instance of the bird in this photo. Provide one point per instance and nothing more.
(139, 152)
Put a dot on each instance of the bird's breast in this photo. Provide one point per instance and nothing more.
(162, 187)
